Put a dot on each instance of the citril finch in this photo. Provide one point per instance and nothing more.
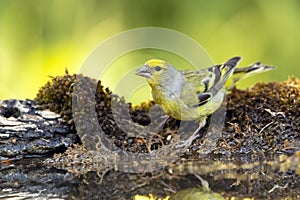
(194, 94)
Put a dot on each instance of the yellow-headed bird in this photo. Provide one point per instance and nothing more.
(194, 94)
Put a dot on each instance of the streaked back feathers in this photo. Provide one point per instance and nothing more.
(208, 82)
(212, 78)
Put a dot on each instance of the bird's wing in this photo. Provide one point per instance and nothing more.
(206, 83)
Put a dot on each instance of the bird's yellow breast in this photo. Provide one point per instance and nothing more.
(178, 109)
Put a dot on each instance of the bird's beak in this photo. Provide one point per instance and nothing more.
(144, 72)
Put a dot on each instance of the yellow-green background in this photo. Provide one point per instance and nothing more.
(42, 37)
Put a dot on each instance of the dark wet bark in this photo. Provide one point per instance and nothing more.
(25, 130)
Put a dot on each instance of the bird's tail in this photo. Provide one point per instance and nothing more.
(241, 73)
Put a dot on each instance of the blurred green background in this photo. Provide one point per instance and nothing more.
(41, 38)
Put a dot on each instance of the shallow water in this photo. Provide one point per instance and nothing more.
(30, 179)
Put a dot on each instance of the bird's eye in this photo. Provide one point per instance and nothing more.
(157, 68)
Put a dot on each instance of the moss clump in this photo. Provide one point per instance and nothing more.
(56, 95)
(263, 119)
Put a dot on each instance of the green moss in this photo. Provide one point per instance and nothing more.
(56, 95)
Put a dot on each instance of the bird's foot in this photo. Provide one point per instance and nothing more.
(188, 142)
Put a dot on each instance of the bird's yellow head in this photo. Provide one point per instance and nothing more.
(152, 69)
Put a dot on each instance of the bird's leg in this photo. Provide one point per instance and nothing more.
(164, 120)
(189, 141)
